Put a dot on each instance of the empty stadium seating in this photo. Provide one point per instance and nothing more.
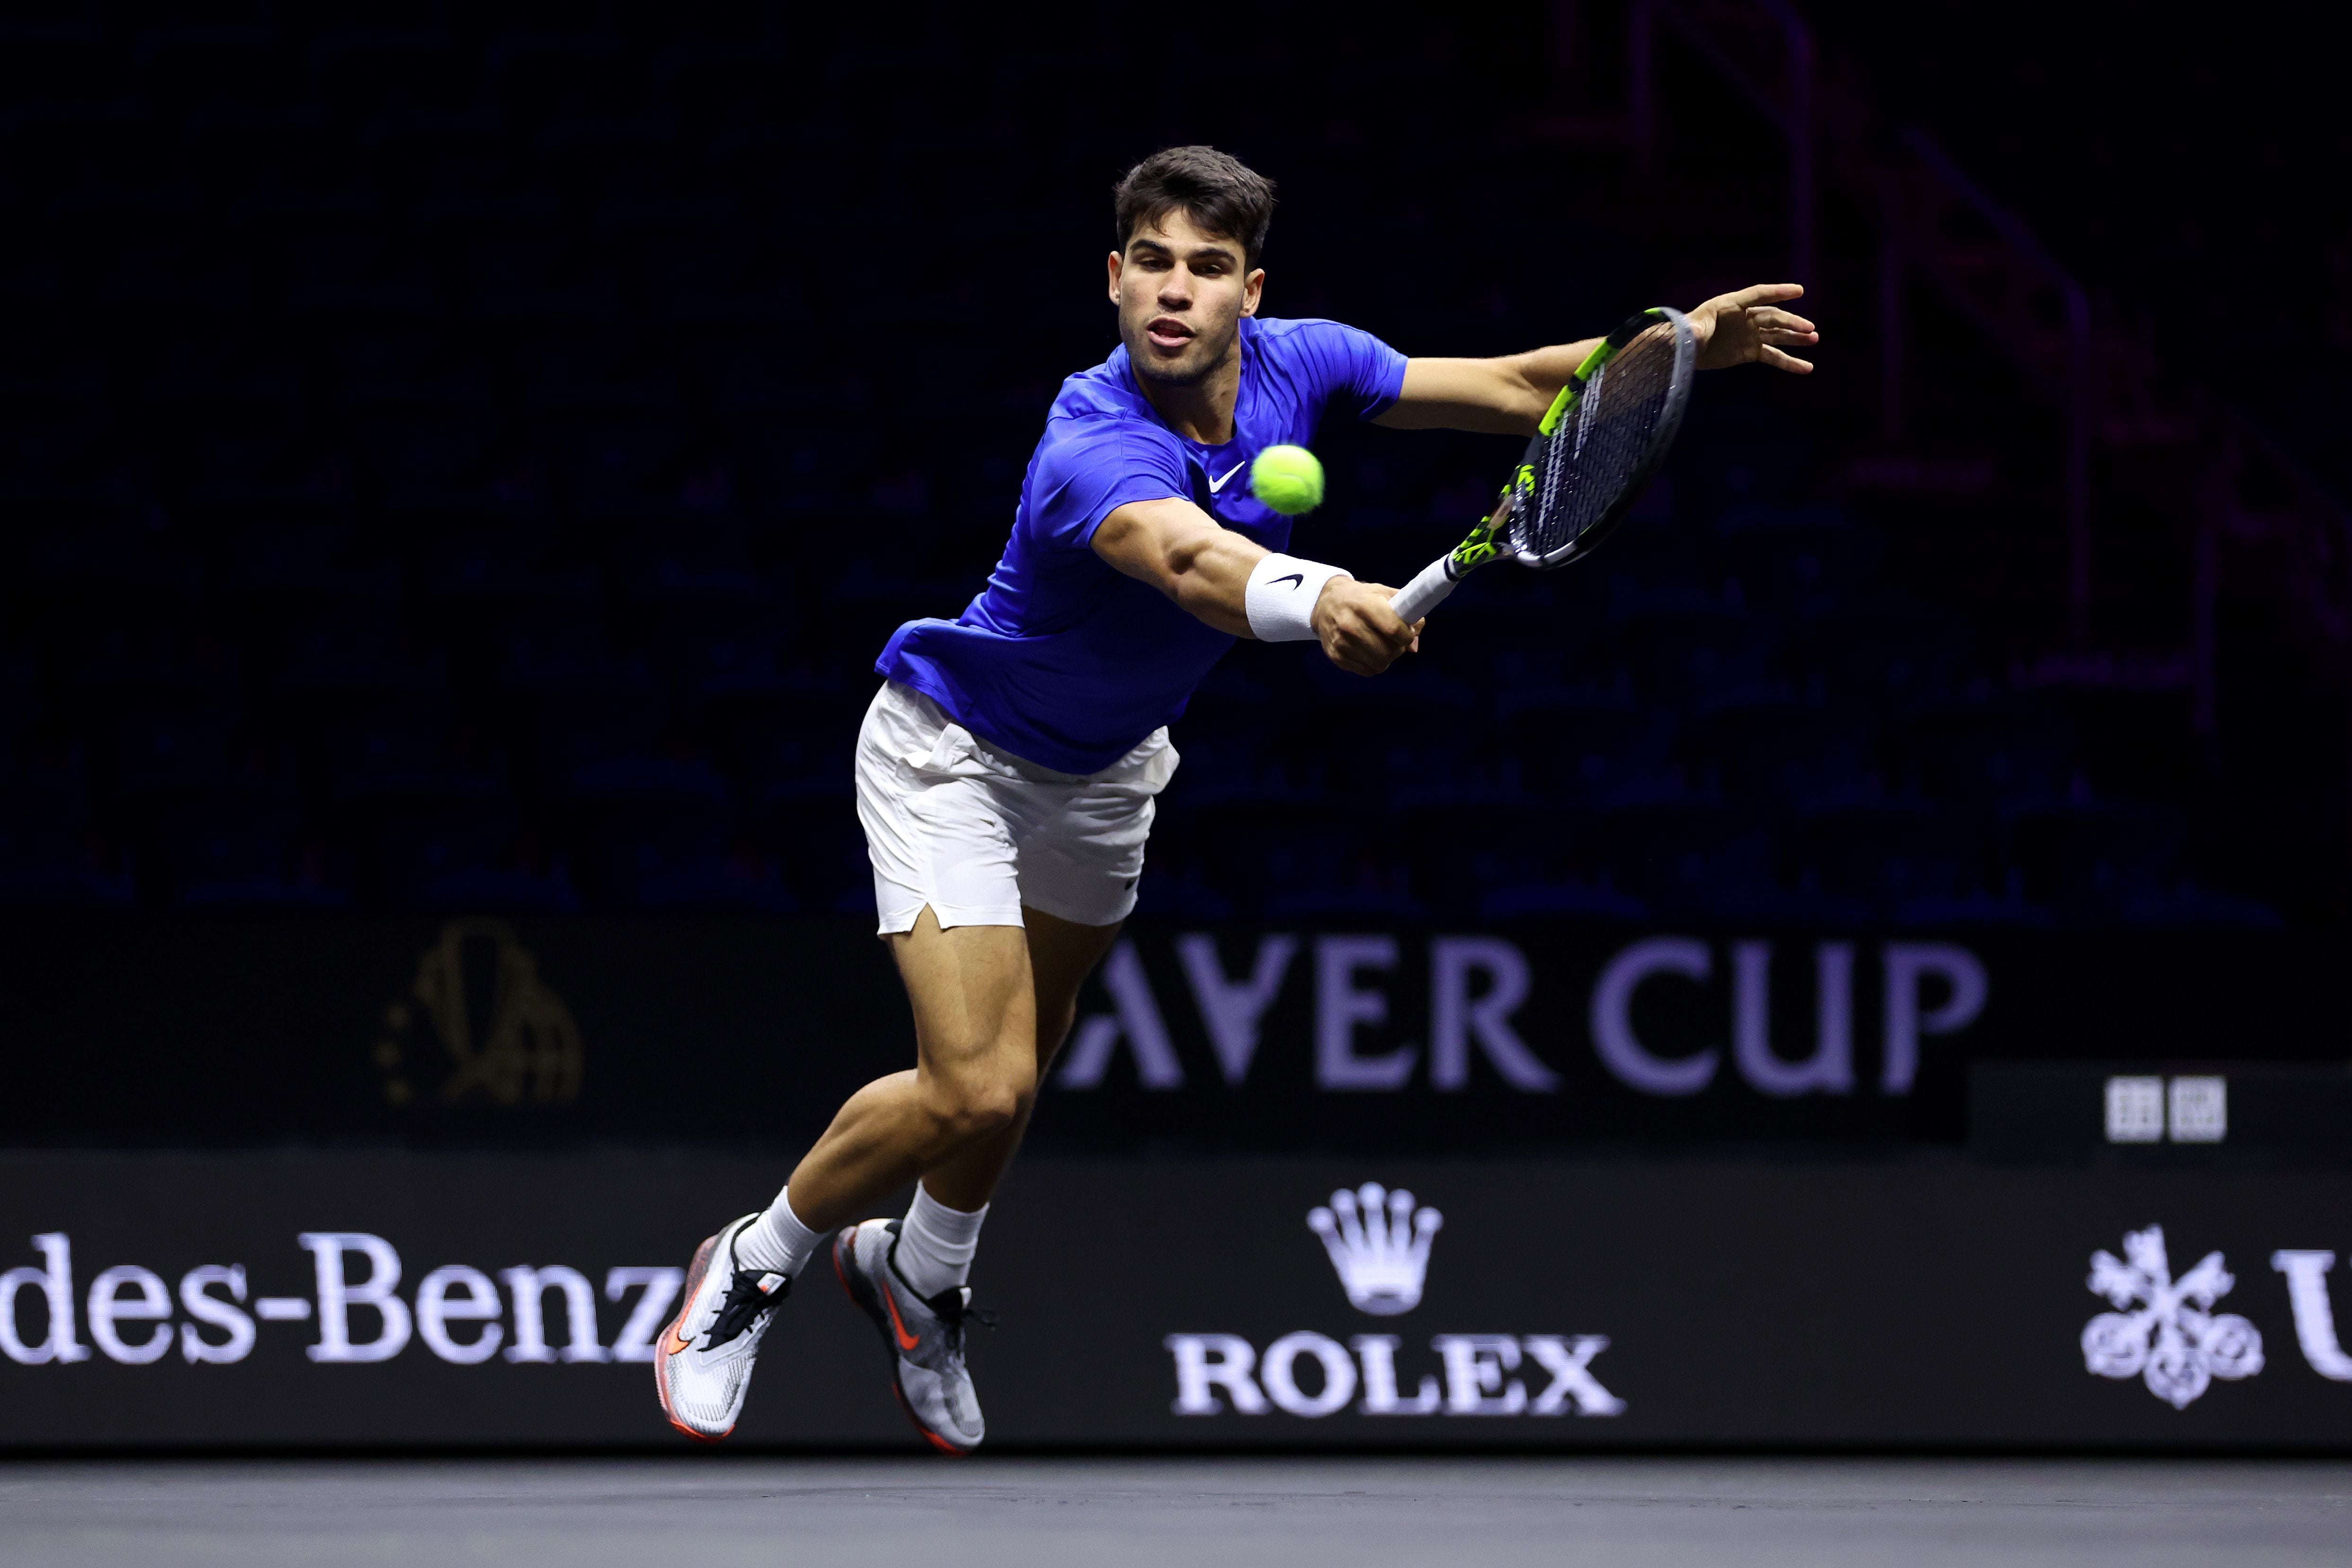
(471, 462)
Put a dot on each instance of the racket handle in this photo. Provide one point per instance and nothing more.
(1425, 593)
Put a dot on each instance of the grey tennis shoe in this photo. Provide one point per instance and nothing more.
(924, 1336)
(702, 1365)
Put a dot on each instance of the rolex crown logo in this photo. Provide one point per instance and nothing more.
(1379, 1242)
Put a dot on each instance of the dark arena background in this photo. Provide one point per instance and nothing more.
(1860, 966)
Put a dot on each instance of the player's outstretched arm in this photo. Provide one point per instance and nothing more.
(1505, 397)
(1239, 587)
(1510, 395)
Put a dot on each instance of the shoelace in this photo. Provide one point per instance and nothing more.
(950, 1308)
(744, 1303)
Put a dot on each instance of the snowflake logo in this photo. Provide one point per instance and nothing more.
(2165, 1331)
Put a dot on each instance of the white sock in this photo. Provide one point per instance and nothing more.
(777, 1241)
(936, 1244)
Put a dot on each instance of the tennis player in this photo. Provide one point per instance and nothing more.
(1007, 768)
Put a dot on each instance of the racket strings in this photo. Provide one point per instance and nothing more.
(1591, 457)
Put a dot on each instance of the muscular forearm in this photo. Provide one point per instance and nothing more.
(1180, 550)
(1184, 552)
(1208, 575)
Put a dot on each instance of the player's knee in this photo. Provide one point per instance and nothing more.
(978, 1103)
(980, 1108)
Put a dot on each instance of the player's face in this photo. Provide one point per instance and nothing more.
(1181, 293)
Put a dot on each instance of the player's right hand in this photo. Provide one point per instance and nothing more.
(1359, 631)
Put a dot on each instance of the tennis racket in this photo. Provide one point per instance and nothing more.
(1605, 435)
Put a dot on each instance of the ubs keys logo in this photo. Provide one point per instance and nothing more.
(2165, 1332)
(1379, 1243)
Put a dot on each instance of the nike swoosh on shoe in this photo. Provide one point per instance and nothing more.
(907, 1342)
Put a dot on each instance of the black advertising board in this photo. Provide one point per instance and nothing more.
(450, 1298)
(261, 1030)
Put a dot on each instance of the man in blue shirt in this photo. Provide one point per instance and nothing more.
(1064, 659)
(1007, 768)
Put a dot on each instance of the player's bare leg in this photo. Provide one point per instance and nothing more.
(974, 1003)
(991, 1006)
(908, 1275)
(1062, 953)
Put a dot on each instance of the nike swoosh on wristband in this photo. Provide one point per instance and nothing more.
(1297, 580)
(1217, 485)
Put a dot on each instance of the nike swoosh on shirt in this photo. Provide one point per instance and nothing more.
(1217, 485)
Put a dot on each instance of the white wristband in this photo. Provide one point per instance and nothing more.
(1280, 599)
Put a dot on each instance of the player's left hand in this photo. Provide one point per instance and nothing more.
(1747, 327)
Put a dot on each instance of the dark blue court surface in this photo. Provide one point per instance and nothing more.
(1821, 1514)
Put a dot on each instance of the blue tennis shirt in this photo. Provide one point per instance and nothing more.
(1063, 660)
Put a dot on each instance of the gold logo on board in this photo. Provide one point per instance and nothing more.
(478, 997)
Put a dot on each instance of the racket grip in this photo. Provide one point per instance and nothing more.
(1425, 593)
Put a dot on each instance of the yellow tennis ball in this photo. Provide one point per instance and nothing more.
(1289, 479)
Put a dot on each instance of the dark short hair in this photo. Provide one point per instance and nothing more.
(1221, 194)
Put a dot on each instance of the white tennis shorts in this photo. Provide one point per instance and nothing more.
(975, 832)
